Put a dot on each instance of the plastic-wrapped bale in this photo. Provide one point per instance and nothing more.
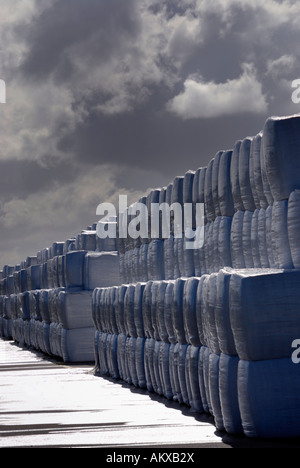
(169, 258)
(161, 323)
(30, 261)
(50, 277)
(280, 234)
(179, 257)
(101, 269)
(110, 300)
(121, 355)
(234, 177)
(192, 363)
(236, 239)
(203, 373)
(214, 391)
(69, 245)
(165, 370)
(148, 360)
(208, 313)
(195, 190)
(168, 306)
(222, 313)
(189, 311)
(139, 360)
(146, 310)
(73, 269)
(86, 240)
(244, 175)
(157, 368)
(294, 226)
(129, 311)
(208, 246)
(188, 196)
(55, 334)
(154, 311)
(264, 312)
(262, 239)
(57, 249)
(177, 310)
(152, 198)
(155, 263)
(75, 309)
(270, 241)
(131, 361)
(255, 240)
(143, 256)
(224, 187)
(77, 344)
(188, 256)
(177, 197)
(255, 168)
(135, 264)
(199, 308)
(107, 244)
(23, 285)
(183, 396)
(119, 308)
(215, 183)
(208, 196)
(281, 145)
(224, 250)
(269, 398)
(228, 386)
(246, 239)
(112, 356)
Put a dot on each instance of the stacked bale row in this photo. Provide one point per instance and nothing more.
(197, 341)
(217, 339)
(249, 219)
(47, 304)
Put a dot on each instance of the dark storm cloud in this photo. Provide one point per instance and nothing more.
(22, 178)
(157, 141)
(107, 95)
(93, 28)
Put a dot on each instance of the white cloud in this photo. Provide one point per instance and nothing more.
(207, 100)
(282, 67)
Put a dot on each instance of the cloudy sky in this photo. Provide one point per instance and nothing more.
(118, 96)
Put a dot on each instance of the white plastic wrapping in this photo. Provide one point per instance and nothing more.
(236, 239)
(281, 144)
(189, 311)
(101, 269)
(246, 239)
(244, 175)
(234, 177)
(214, 391)
(224, 186)
(215, 183)
(177, 310)
(269, 398)
(280, 234)
(208, 196)
(228, 385)
(294, 226)
(264, 313)
(75, 309)
(222, 313)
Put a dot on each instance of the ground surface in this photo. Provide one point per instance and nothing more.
(46, 403)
